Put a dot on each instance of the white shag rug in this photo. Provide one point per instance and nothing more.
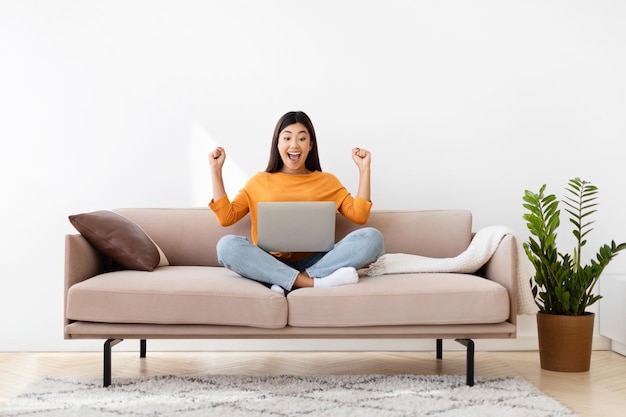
(288, 396)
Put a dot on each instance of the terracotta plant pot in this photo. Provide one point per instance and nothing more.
(565, 341)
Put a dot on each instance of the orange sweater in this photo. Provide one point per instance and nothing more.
(265, 186)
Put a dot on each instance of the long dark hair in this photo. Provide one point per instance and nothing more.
(312, 162)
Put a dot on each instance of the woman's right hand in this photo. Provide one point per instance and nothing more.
(217, 158)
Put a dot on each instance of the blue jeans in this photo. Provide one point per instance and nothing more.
(357, 249)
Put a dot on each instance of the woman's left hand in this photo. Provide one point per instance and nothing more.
(361, 157)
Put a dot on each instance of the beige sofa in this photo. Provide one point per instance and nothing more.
(192, 296)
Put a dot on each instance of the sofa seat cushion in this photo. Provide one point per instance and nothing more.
(403, 299)
(177, 295)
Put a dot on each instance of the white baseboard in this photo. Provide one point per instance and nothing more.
(618, 347)
(522, 343)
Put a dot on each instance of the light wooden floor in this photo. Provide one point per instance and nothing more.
(597, 393)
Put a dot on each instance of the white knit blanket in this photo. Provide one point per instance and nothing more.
(479, 251)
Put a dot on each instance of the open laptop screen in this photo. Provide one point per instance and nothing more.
(296, 226)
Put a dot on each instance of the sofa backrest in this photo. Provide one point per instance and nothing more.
(188, 236)
(432, 233)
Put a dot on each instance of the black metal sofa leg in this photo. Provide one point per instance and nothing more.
(107, 360)
(469, 343)
(107, 357)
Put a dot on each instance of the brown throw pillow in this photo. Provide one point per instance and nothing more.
(119, 238)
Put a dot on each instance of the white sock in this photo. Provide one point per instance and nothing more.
(342, 276)
(278, 289)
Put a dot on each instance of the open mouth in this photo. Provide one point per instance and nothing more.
(294, 156)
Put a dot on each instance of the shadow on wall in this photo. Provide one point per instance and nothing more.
(201, 144)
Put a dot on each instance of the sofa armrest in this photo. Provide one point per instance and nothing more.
(82, 261)
(502, 268)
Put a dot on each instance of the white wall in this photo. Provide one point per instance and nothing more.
(464, 104)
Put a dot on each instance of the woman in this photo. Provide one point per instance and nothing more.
(294, 173)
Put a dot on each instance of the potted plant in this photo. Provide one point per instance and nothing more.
(562, 285)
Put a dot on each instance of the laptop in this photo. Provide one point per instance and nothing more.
(296, 226)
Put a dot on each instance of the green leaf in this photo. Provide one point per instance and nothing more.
(561, 284)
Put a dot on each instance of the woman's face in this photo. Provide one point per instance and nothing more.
(294, 144)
